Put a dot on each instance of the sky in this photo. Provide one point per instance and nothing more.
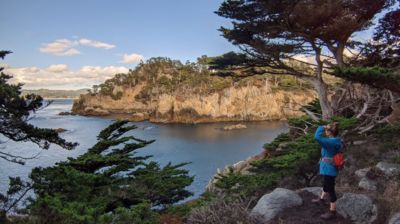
(72, 44)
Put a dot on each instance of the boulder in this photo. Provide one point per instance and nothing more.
(313, 190)
(390, 169)
(362, 172)
(395, 219)
(359, 208)
(279, 199)
(367, 184)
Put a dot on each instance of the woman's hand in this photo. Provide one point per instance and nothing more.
(327, 127)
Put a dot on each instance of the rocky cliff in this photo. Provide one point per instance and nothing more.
(246, 103)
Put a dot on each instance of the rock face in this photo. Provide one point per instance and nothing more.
(357, 207)
(271, 204)
(390, 169)
(395, 219)
(229, 104)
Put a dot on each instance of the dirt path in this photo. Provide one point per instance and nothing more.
(308, 213)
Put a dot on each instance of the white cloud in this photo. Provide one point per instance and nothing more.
(58, 47)
(57, 68)
(70, 52)
(96, 44)
(59, 76)
(132, 58)
(66, 47)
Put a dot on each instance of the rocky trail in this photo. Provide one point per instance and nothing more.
(307, 213)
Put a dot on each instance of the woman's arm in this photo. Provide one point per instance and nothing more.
(323, 141)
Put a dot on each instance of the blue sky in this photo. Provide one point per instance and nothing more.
(72, 44)
(73, 34)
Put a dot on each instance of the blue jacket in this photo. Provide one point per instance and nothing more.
(330, 146)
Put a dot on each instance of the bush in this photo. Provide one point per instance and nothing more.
(245, 185)
(223, 212)
(139, 214)
(183, 210)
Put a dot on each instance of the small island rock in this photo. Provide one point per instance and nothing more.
(234, 127)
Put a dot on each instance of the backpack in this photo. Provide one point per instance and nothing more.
(338, 158)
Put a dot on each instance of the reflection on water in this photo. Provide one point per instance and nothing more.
(206, 146)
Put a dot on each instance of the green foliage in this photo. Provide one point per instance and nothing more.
(314, 106)
(344, 122)
(227, 60)
(376, 76)
(139, 214)
(284, 137)
(182, 210)
(109, 182)
(246, 185)
(302, 152)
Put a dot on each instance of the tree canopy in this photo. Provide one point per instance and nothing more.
(275, 34)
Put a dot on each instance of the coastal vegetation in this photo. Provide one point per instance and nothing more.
(164, 75)
(110, 184)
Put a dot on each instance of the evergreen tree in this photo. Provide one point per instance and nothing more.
(277, 34)
(109, 182)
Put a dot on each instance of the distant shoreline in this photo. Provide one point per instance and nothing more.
(60, 98)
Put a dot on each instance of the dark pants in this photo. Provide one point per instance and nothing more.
(329, 186)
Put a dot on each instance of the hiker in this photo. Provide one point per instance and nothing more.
(331, 145)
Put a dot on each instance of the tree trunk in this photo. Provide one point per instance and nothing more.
(322, 91)
(339, 55)
(321, 87)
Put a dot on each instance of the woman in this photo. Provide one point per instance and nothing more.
(331, 144)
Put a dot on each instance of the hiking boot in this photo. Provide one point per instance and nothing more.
(329, 215)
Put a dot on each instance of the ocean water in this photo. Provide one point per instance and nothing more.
(205, 146)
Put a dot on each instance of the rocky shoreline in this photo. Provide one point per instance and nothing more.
(230, 104)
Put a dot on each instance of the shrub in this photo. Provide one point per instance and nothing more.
(139, 214)
(223, 212)
(182, 210)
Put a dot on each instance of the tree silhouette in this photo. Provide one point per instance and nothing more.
(14, 115)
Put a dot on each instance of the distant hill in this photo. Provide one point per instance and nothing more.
(53, 93)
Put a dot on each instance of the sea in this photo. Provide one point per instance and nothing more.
(205, 146)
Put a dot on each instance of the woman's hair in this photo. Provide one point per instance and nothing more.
(334, 128)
